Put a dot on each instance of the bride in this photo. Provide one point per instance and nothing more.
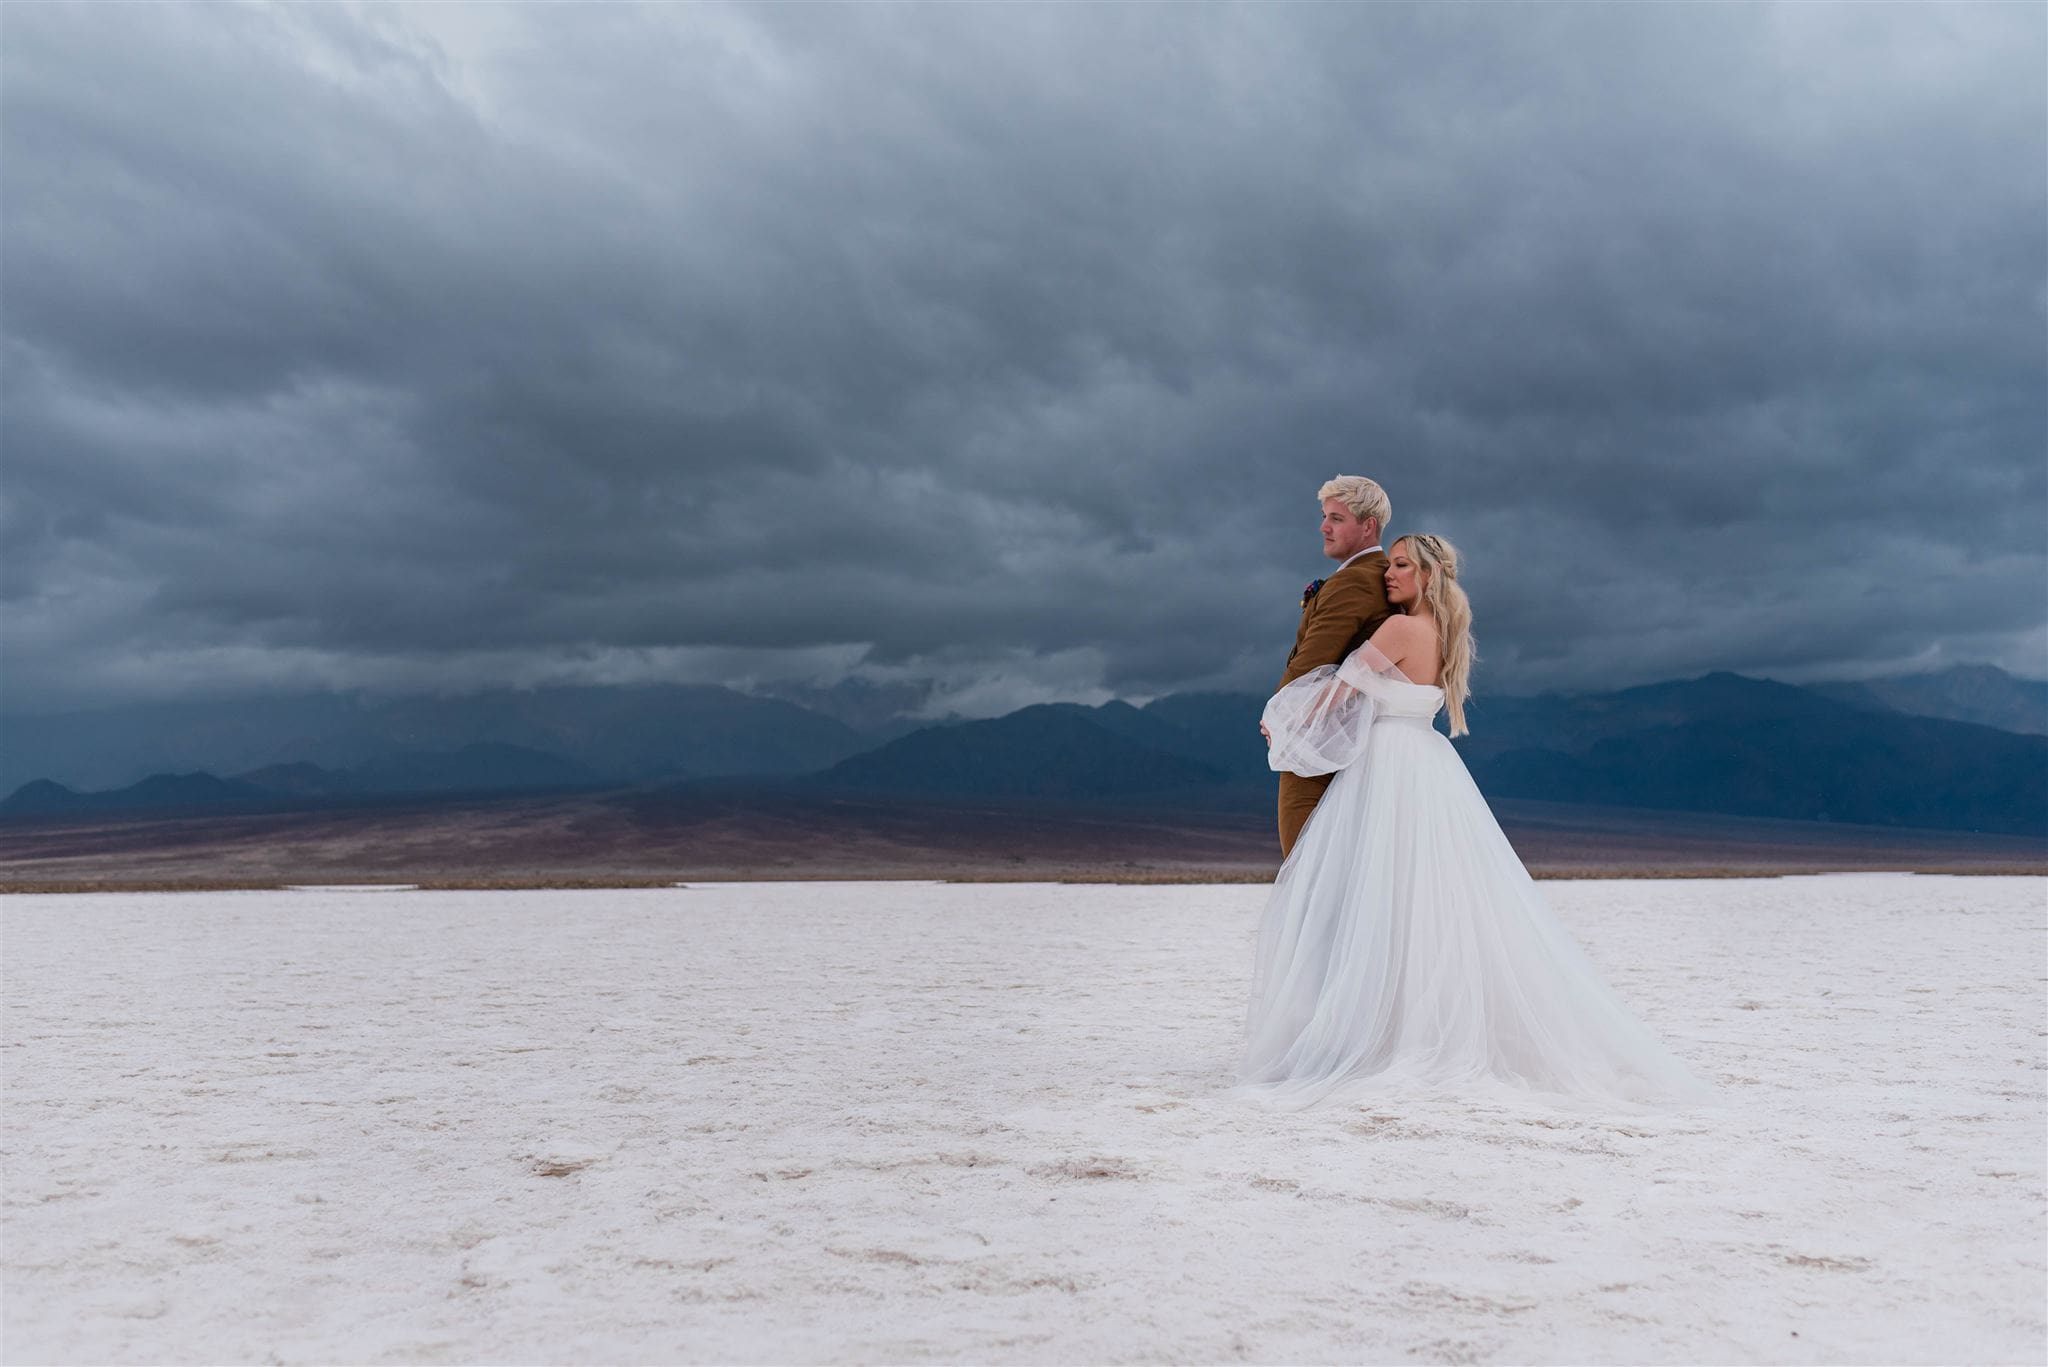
(1404, 946)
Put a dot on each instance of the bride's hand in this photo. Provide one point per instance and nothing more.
(1267, 734)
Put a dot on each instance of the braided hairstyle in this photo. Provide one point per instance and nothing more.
(1437, 560)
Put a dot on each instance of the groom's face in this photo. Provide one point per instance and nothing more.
(1343, 534)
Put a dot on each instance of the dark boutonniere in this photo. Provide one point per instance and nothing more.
(1308, 594)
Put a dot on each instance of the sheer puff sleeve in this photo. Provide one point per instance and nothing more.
(1320, 722)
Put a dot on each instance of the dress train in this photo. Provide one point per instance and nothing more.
(1404, 947)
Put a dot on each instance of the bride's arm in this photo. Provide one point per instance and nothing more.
(1317, 724)
(1331, 694)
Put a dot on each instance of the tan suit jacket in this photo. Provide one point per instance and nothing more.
(1345, 612)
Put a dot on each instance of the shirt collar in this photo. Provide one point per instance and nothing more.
(1367, 551)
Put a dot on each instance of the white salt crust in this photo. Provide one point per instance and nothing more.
(924, 1122)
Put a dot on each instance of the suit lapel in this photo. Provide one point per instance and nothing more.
(1375, 564)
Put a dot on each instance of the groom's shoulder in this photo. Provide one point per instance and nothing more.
(1367, 574)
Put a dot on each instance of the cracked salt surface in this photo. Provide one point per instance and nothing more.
(913, 1122)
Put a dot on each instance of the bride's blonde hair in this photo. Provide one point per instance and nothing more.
(1445, 598)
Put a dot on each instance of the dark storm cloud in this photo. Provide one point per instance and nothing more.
(1005, 347)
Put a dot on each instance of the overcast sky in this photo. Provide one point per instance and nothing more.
(997, 351)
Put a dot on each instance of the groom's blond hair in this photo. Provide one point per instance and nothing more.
(1364, 498)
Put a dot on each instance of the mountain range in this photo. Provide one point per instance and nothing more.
(625, 734)
(472, 770)
(1983, 694)
(1729, 744)
(1722, 744)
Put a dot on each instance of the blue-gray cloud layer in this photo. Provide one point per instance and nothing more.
(1006, 346)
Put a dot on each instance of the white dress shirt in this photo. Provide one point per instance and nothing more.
(1367, 551)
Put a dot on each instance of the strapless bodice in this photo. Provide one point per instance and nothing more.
(1397, 699)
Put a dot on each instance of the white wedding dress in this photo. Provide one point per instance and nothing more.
(1404, 947)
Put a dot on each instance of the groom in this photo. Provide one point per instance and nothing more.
(1337, 614)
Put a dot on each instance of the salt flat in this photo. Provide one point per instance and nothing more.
(913, 1122)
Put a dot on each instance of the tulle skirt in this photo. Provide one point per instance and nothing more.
(1404, 948)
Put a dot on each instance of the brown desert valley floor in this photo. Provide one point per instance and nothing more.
(624, 838)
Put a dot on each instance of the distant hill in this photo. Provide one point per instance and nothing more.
(473, 769)
(1983, 694)
(303, 779)
(879, 711)
(480, 768)
(1220, 728)
(1749, 747)
(110, 748)
(1722, 743)
(1047, 751)
(44, 796)
(626, 734)
(164, 792)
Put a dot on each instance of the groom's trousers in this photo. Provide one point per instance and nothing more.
(1298, 798)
